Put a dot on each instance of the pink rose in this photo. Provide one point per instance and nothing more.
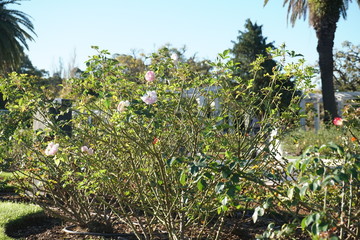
(51, 149)
(150, 97)
(338, 121)
(89, 151)
(150, 76)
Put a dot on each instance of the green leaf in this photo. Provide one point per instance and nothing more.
(315, 229)
(337, 148)
(208, 175)
(323, 227)
(194, 169)
(226, 172)
(290, 193)
(303, 190)
(290, 168)
(232, 190)
(306, 221)
(315, 185)
(320, 171)
(107, 103)
(235, 178)
(57, 161)
(201, 184)
(183, 178)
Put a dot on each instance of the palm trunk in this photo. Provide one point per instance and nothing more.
(325, 32)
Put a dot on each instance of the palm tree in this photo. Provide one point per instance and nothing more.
(14, 32)
(323, 17)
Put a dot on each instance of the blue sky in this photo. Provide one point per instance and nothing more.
(68, 28)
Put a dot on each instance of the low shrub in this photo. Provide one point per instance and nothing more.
(173, 152)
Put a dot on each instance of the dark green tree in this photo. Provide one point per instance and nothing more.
(347, 68)
(26, 67)
(15, 29)
(323, 17)
(249, 46)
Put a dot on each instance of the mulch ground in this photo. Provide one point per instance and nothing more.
(43, 227)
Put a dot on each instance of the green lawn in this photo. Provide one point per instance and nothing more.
(14, 212)
(10, 211)
(6, 175)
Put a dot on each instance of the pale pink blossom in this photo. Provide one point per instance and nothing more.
(89, 151)
(150, 97)
(122, 105)
(51, 149)
(150, 76)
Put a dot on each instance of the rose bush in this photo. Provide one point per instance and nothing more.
(173, 156)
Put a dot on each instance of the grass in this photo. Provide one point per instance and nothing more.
(6, 175)
(10, 212)
(13, 212)
(5, 182)
(295, 142)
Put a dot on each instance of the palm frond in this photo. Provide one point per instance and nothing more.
(16, 29)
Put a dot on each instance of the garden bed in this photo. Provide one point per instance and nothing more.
(39, 226)
(50, 228)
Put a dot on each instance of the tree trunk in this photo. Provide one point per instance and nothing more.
(325, 32)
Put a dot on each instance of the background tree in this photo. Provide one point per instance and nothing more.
(347, 68)
(249, 46)
(168, 52)
(15, 29)
(133, 66)
(26, 67)
(323, 17)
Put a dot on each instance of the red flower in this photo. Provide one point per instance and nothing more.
(338, 121)
(155, 140)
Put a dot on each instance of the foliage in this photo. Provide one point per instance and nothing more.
(250, 46)
(26, 67)
(347, 68)
(323, 17)
(15, 29)
(5, 179)
(134, 66)
(161, 153)
(13, 121)
(321, 188)
(298, 140)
